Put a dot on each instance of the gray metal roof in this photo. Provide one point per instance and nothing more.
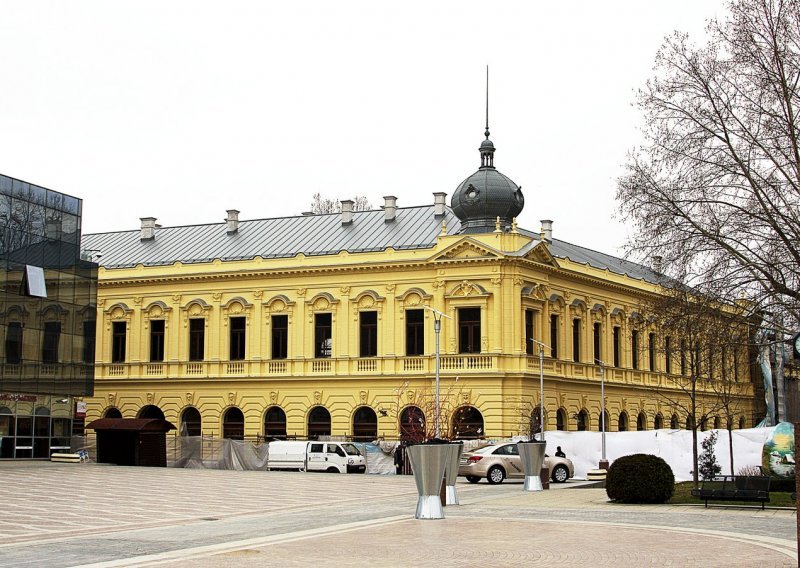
(283, 237)
(312, 235)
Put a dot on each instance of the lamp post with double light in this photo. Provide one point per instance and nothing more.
(541, 383)
(603, 461)
(437, 327)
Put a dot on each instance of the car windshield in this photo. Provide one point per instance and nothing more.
(351, 450)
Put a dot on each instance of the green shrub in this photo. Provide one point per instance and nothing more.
(640, 478)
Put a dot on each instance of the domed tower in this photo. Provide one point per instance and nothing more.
(486, 195)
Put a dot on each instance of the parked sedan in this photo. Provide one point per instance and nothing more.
(498, 461)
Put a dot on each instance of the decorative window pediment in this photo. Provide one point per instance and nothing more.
(118, 311)
(196, 308)
(414, 298)
(468, 289)
(278, 304)
(156, 310)
(534, 291)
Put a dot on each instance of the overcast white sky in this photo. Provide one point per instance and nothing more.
(181, 110)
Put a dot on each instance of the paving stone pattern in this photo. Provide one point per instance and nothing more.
(105, 516)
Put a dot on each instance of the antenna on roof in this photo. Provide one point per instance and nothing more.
(487, 103)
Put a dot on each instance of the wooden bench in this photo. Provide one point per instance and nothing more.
(754, 488)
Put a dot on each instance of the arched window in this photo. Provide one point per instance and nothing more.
(641, 422)
(365, 425)
(561, 419)
(412, 424)
(233, 424)
(151, 411)
(742, 423)
(319, 423)
(112, 412)
(689, 422)
(658, 422)
(467, 423)
(191, 423)
(583, 420)
(674, 422)
(275, 423)
(604, 426)
(623, 422)
(717, 423)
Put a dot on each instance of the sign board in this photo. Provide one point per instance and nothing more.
(80, 409)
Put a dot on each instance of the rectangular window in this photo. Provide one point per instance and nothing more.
(157, 340)
(280, 337)
(616, 345)
(597, 355)
(50, 340)
(14, 343)
(576, 340)
(529, 331)
(118, 340)
(683, 357)
(469, 330)
(735, 364)
(635, 349)
(197, 339)
(668, 353)
(554, 336)
(415, 332)
(237, 332)
(651, 350)
(323, 340)
(368, 334)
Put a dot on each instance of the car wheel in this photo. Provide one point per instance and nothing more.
(560, 474)
(495, 475)
(473, 478)
(332, 470)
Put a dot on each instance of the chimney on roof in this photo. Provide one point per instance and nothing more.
(547, 230)
(439, 203)
(389, 208)
(347, 211)
(148, 228)
(658, 263)
(233, 221)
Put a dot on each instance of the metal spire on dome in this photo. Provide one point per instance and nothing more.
(487, 148)
(487, 103)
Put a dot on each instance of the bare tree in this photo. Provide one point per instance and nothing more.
(715, 188)
(704, 342)
(321, 205)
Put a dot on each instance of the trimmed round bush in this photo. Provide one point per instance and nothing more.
(640, 478)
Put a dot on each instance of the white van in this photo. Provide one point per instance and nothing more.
(334, 457)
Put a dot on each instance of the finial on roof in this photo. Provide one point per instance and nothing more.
(497, 225)
(487, 148)
(487, 103)
(444, 228)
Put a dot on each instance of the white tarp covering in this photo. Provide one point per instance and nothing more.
(673, 446)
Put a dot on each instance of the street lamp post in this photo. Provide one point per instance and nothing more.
(541, 383)
(603, 461)
(437, 326)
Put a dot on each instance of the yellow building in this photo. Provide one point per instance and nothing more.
(324, 324)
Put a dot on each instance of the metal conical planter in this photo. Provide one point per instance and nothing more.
(532, 456)
(428, 463)
(451, 473)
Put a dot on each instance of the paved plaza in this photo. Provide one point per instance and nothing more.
(106, 516)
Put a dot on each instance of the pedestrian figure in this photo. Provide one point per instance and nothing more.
(559, 453)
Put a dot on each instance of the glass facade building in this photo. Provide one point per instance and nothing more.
(48, 299)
